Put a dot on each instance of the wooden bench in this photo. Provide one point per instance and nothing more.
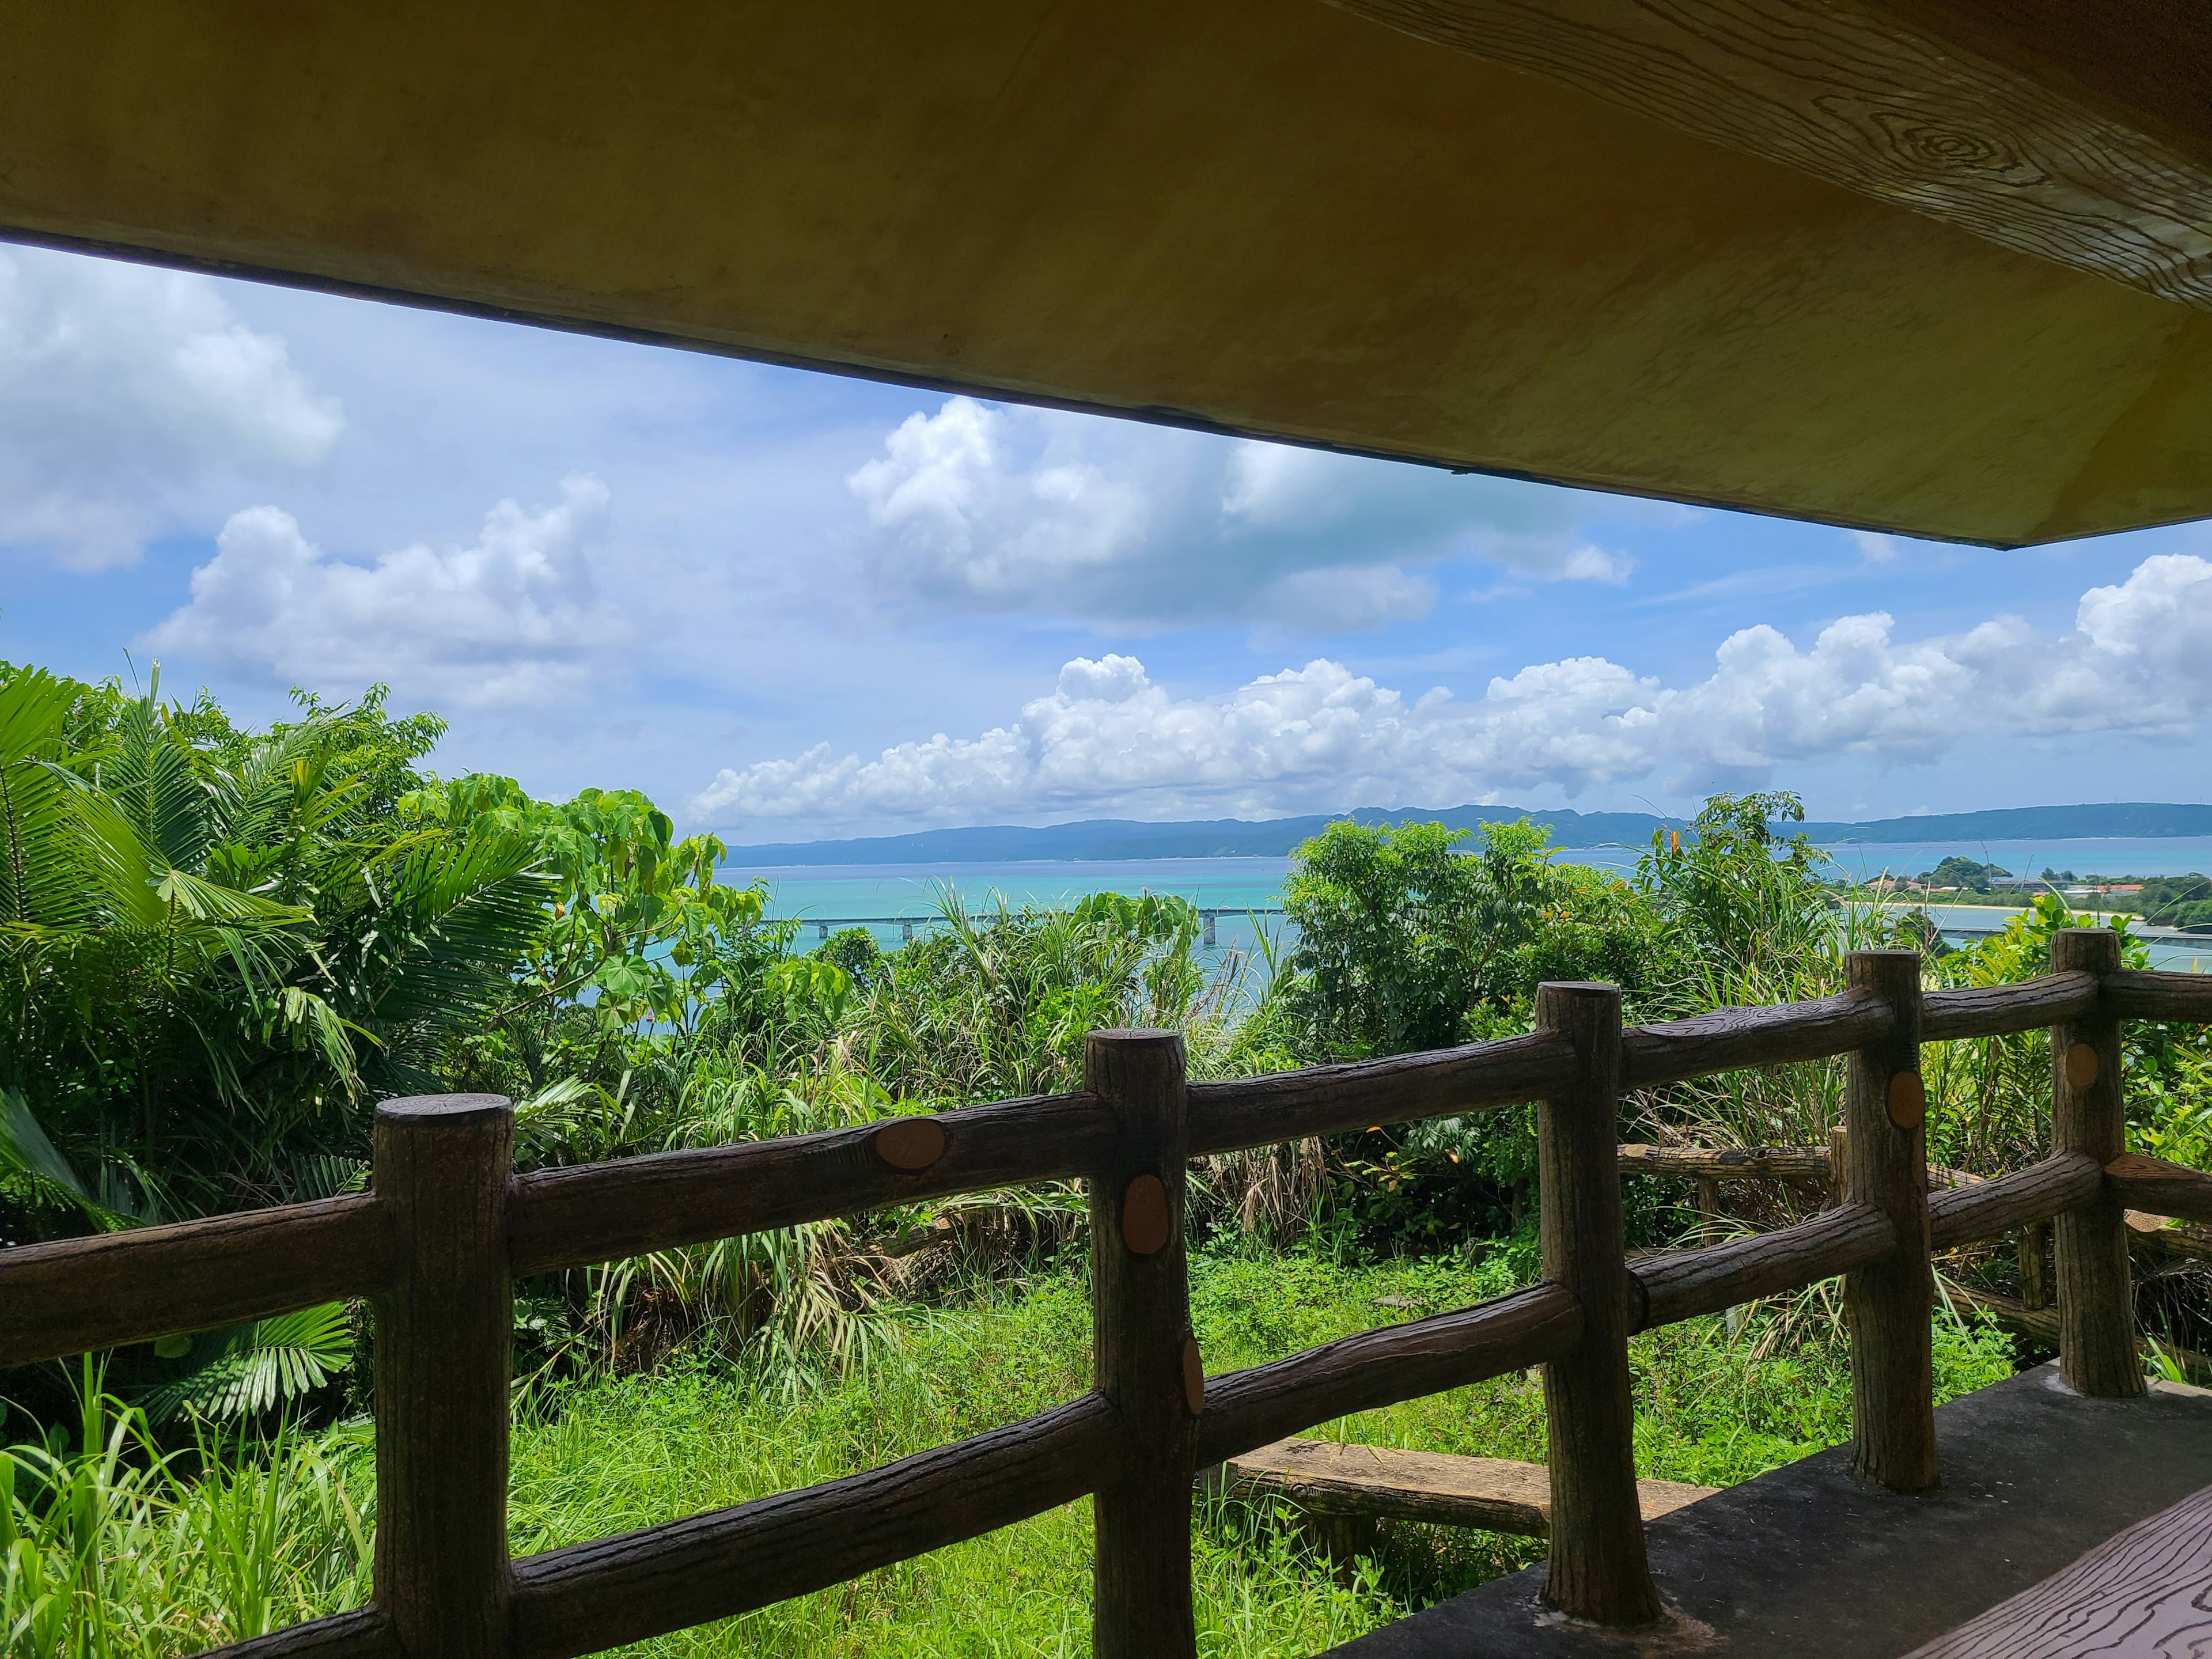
(1343, 1490)
(2142, 1594)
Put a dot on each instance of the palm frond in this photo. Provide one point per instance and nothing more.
(150, 777)
(250, 1368)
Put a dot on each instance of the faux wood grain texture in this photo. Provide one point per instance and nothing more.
(1726, 1163)
(1598, 1569)
(77, 1294)
(2162, 1188)
(647, 1583)
(1259, 1111)
(1141, 1605)
(2135, 994)
(2161, 1236)
(595, 1212)
(2143, 1594)
(1850, 93)
(1981, 1010)
(445, 1333)
(1730, 1039)
(1989, 1209)
(1676, 1285)
(1886, 1303)
(364, 1633)
(1495, 1494)
(2041, 1324)
(2097, 1345)
(1357, 1373)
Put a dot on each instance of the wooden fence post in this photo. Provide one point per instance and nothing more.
(1889, 1305)
(2097, 1350)
(444, 1337)
(1598, 1568)
(1147, 1363)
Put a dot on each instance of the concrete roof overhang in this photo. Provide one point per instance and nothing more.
(1415, 233)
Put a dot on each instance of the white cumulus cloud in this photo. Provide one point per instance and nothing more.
(979, 507)
(514, 617)
(130, 398)
(1320, 737)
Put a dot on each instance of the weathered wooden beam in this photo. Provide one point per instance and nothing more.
(1371, 1369)
(1145, 1356)
(1670, 1285)
(2010, 1313)
(2163, 1188)
(1320, 1100)
(364, 1633)
(1734, 1039)
(2158, 1235)
(74, 1294)
(2096, 1347)
(2135, 994)
(1598, 1569)
(1983, 1010)
(641, 1585)
(1382, 1483)
(592, 1212)
(1886, 1303)
(1726, 1163)
(1980, 1210)
(1998, 131)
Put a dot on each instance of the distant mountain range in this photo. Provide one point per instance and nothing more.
(1128, 838)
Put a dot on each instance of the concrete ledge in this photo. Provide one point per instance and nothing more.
(1808, 1562)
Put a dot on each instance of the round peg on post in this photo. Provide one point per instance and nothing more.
(911, 1144)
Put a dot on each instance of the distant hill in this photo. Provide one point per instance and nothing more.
(1095, 839)
(2118, 820)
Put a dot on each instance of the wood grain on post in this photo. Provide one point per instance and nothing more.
(2097, 1353)
(1140, 1323)
(2034, 1267)
(444, 1332)
(1889, 1303)
(1598, 1569)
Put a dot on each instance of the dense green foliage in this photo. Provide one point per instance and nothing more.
(221, 947)
(1961, 873)
(2176, 901)
(118, 1549)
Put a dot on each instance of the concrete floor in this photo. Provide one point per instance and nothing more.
(1808, 1563)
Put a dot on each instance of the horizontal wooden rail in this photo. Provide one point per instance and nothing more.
(2132, 994)
(1733, 1039)
(1672, 1286)
(73, 1295)
(1989, 1209)
(1726, 1163)
(1372, 1369)
(364, 1633)
(593, 1213)
(642, 1584)
(1981, 1010)
(2163, 1188)
(1259, 1111)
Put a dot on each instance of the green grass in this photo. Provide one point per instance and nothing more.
(183, 1570)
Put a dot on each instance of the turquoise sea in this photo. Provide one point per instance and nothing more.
(1245, 889)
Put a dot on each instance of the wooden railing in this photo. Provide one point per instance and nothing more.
(448, 1228)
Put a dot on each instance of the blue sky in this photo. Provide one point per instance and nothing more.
(792, 604)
